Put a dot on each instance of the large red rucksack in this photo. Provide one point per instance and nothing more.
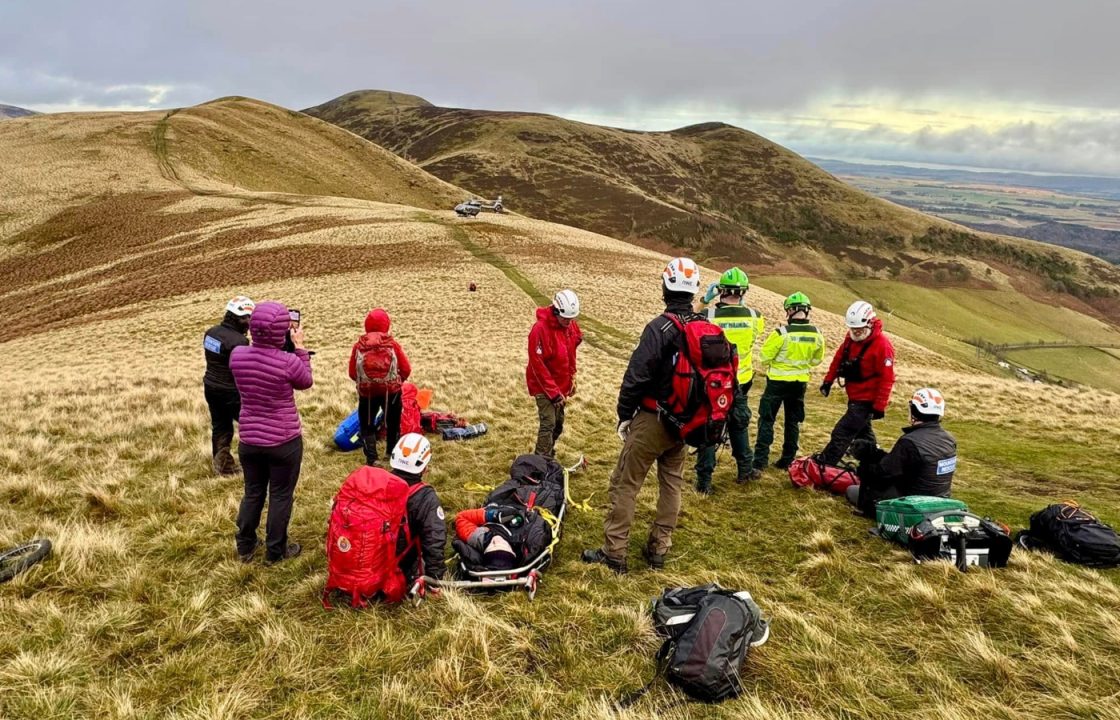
(375, 361)
(369, 521)
(410, 410)
(703, 383)
(807, 471)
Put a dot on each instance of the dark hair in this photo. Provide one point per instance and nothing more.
(922, 417)
(671, 296)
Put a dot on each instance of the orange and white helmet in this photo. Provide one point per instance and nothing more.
(240, 306)
(859, 315)
(412, 454)
(928, 401)
(566, 303)
(681, 275)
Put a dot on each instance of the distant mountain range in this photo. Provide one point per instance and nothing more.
(8, 112)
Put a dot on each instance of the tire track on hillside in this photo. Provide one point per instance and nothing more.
(598, 334)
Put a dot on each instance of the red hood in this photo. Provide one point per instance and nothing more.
(549, 317)
(377, 321)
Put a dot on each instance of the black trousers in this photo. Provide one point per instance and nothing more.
(852, 425)
(367, 413)
(270, 472)
(225, 408)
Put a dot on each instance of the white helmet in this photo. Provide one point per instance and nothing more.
(240, 306)
(859, 315)
(412, 454)
(566, 303)
(928, 401)
(681, 275)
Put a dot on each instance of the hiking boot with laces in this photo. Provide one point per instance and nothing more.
(747, 476)
(656, 562)
(597, 556)
(247, 557)
(704, 487)
(293, 550)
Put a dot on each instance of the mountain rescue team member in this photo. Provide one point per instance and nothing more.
(789, 354)
(741, 326)
(922, 461)
(426, 520)
(389, 403)
(221, 392)
(271, 448)
(645, 439)
(865, 362)
(551, 372)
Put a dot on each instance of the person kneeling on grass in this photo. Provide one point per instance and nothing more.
(922, 461)
(426, 520)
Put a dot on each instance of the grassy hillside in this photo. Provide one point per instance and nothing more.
(723, 193)
(144, 612)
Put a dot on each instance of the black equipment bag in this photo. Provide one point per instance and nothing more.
(1072, 534)
(534, 481)
(987, 544)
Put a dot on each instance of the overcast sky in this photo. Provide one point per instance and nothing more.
(1017, 84)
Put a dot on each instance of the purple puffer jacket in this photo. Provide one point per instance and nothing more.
(265, 376)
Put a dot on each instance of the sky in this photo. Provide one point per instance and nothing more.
(1005, 84)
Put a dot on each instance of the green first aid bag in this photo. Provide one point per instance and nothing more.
(895, 517)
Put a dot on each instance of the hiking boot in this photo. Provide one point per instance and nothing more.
(656, 562)
(597, 556)
(704, 487)
(294, 549)
(783, 463)
(248, 556)
(224, 464)
(745, 477)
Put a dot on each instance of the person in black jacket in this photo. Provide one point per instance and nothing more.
(645, 438)
(426, 520)
(221, 393)
(922, 461)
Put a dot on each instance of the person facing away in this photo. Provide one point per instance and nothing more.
(271, 448)
(922, 462)
(645, 438)
(742, 326)
(865, 364)
(424, 555)
(222, 398)
(789, 353)
(378, 365)
(551, 372)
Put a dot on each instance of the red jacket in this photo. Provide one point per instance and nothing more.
(877, 366)
(552, 356)
(378, 321)
(467, 521)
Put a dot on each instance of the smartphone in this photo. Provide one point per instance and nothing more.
(293, 317)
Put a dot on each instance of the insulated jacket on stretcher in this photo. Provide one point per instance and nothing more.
(876, 368)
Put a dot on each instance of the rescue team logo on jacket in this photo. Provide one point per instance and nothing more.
(722, 402)
(212, 344)
(343, 543)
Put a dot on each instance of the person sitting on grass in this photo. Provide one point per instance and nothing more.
(426, 519)
(922, 461)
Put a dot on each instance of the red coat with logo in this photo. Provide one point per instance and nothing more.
(877, 366)
(378, 321)
(552, 355)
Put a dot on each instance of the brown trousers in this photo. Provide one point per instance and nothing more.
(647, 442)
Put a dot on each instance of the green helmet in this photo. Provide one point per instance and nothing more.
(797, 302)
(734, 279)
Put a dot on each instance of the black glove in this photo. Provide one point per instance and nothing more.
(862, 449)
(504, 516)
(826, 388)
(878, 414)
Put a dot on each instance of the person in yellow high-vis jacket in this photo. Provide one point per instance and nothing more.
(789, 353)
(742, 326)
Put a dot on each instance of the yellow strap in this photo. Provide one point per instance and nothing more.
(476, 487)
(584, 506)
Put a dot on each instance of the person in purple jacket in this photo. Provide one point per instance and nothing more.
(271, 447)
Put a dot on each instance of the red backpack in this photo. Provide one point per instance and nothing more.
(368, 519)
(376, 363)
(808, 471)
(703, 383)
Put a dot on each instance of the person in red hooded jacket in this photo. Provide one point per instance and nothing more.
(551, 372)
(865, 362)
(385, 396)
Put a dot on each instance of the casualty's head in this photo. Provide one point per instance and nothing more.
(498, 553)
(859, 319)
(238, 311)
(565, 306)
(680, 280)
(411, 455)
(926, 405)
(733, 285)
(797, 306)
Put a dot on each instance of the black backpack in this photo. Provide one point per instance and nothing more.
(534, 481)
(708, 632)
(1072, 534)
(984, 543)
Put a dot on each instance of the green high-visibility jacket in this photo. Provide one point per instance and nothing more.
(741, 326)
(792, 351)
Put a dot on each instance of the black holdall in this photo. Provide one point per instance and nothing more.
(708, 632)
(1073, 534)
(969, 541)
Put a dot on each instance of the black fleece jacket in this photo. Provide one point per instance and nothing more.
(650, 372)
(428, 526)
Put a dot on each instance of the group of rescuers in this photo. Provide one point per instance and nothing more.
(253, 384)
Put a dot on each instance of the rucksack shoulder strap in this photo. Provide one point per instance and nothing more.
(413, 489)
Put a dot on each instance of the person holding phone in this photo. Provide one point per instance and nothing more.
(271, 449)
